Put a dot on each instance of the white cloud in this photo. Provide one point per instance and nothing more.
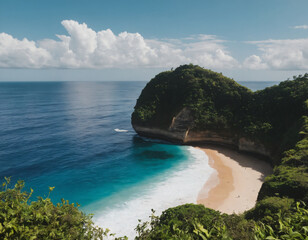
(301, 27)
(85, 48)
(21, 53)
(287, 54)
(83, 40)
(254, 62)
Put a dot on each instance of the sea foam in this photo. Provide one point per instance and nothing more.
(177, 186)
(120, 130)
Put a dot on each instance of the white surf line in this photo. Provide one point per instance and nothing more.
(178, 186)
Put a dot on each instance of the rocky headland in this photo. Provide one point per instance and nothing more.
(192, 105)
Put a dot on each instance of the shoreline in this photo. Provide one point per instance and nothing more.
(235, 186)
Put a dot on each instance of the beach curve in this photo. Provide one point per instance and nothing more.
(234, 187)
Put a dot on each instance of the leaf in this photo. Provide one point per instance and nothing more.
(280, 225)
(202, 229)
(203, 237)
(296, 234)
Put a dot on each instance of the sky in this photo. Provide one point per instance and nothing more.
(64, 40)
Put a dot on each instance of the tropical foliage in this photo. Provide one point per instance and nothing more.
(21, 218)
(197, 222)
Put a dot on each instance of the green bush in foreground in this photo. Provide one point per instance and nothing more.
(21, 218)
(285, 225)
(187, 221)
(272, 218)
(191, 221)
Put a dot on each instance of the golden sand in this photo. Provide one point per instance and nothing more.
(239, 178)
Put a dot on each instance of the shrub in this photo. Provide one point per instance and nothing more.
(285, 225)
(286, 181)
(21, 218)
(268, 207)
(191, 221)
(187, 221)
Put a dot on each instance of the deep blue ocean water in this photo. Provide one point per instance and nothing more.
(77, 137)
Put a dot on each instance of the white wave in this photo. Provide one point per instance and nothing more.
(179, 186)
(120, 130)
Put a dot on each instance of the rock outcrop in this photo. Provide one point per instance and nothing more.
(180, 132)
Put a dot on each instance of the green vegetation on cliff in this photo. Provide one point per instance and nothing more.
(275, 118)
(216, 101)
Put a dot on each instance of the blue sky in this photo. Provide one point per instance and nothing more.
(246, 40)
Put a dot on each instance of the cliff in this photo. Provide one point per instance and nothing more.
(180, 132)
(192, 105)
(195, 137)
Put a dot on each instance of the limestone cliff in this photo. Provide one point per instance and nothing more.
(180, 132)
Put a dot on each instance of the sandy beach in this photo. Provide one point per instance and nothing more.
(235, 186)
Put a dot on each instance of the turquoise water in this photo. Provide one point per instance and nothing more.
(77, 137)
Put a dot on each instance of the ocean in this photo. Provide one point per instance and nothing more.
(77, 137)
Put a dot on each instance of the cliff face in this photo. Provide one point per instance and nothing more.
(180, 132)
(248, 145)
